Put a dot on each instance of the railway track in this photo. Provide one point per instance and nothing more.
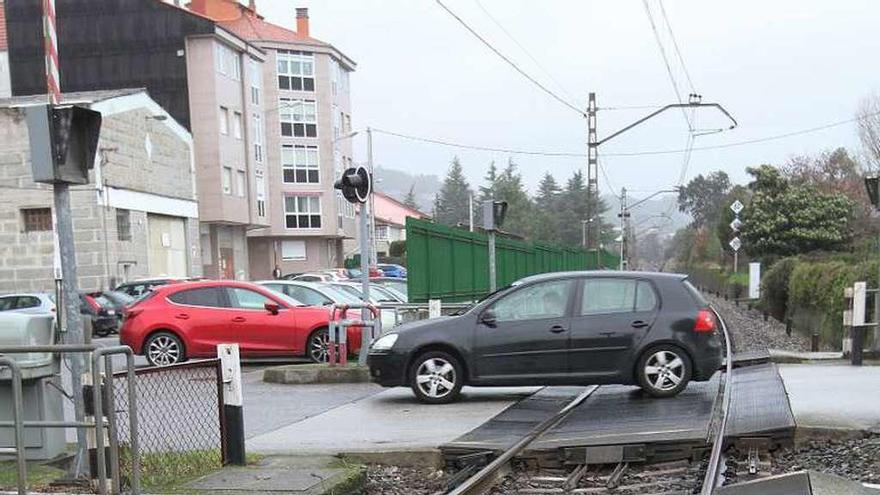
(500, 476)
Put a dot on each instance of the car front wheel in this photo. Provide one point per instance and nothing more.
(318, 346)
(163, 349)
(436, 377)
(664, 371)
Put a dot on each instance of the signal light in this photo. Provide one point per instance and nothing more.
(356, 185)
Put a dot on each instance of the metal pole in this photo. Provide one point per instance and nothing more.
(592, 168)
(365, 255)
(471, 212)
(493, 283)
(875, 347)
(18, 421)
(736, 261)
(73, 323)
(373, 252)
(622, 228)
(584, 233)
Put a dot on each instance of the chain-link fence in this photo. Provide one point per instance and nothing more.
(179, 413)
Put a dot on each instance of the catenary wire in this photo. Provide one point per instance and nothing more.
(511, 62)
(684, 68)
(665, 58)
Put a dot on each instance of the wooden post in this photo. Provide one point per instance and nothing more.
(233, 417)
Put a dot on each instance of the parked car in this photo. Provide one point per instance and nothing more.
(574, 328)
(176, 322)
(137, 288)
(114, 303)
(320, 277)
(392, 270)
(310, 293)
(398, 284)
(36, 303)
(378, 294)
(101, 312)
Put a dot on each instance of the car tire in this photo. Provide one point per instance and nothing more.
(436, 377)
(102, 331)
(664, 371)
(318, 345)
(164, 349)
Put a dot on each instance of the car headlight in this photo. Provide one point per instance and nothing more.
(385, 343)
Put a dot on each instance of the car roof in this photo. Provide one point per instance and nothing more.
(602, 274)
(194, 284)
(31, 294)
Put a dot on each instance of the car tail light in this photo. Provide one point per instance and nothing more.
(132, 312)
(706, 322)
(94, 304)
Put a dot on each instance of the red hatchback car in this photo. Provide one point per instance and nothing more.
(180, 321)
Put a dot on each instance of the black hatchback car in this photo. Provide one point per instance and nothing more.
(570, 328)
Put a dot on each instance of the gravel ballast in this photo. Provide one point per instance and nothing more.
(751, 333)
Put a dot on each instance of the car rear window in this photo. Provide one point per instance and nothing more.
(211, 297)
(695, 293)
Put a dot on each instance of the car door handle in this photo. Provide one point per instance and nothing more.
(557, 329)
(182, 316)
(239, 319)
(639, 324)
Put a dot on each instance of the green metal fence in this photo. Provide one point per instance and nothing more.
(453, 264)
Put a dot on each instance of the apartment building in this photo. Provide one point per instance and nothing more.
(137, 217)
(208, 78)
(307, 118)
(5, 90)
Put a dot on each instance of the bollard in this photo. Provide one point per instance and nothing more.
(736, 301)
(233, 417)
(858, 344)
(766, 316)
(788, 327)
(814, 343)
(342, 342)
(331, 344)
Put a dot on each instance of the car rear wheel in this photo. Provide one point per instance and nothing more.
(318, 346)
(436, 377)
(664, 371)
(163, 349)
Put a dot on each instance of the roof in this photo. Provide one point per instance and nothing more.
(401, 204)
(3, 44)
(73, 97)
(604, 273)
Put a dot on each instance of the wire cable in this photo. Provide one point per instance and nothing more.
(687, 74)
(666, 61)
(510, 62)
(523, 48)
(480, 148)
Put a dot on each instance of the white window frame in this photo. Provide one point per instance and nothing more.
(294, 112)
(226, 180)
(285, 68)
(261, 193)
(309, 212)
(256, 82)
(382, 232)
(237, 124)
(258, 137)
(224, 121)
(220, 58)
(290, 250)
(290, 160)
(240, 183)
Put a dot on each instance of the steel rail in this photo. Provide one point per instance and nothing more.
(482, 480)
(711, 478)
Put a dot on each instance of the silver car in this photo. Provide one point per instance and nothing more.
(31, 303)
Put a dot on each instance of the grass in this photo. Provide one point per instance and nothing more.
(170, 471)
(38, 475)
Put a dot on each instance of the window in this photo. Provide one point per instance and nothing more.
(227, 180)
(236, 65)
(258, 138)
(604, 296)
(224, 120)
(302, 212)
(296, 71)
(293, 250)
(298, 118)
(382, 232)
(237, 124)
(248, 299)
(535, 302)
(37, 219)
(240, 183)
(256, 82)
(347, 125)
(309, 297)
(227, 61)
(300, 164)
(337, 122)
(123, 224)
(220, 59)
(26, 302)
(211, 297)
(261, 195)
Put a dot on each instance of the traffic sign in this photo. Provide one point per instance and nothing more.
(735, 243)
(735, 224)
(737, 207)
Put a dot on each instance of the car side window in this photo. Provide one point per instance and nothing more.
(248, 299)
(646, 298)
(7, 303)
(535, 302)
(608, 295)
(211, 297)
(25, 302)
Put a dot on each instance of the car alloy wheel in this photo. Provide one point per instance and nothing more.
(319, 346)
(664, 370)
(164, 350)
(436, 377)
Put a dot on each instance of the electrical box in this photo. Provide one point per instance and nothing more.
(63, 142)
(493, 214)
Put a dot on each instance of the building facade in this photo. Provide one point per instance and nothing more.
(138, 217)
(5, 89)
(307, 116)
(205, 76)
(390, 219)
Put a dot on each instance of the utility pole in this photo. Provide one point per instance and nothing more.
(366, 252)
(471, 212)
(592, 172)
(624, 214)
(373, 252)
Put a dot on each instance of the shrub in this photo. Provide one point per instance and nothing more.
(397, 249)
(774, 287)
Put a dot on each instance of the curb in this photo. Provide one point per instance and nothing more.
(293, 374)
(403, 458)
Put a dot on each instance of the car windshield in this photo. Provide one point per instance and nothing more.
(118, 298)
(341, 296)
(478, 301)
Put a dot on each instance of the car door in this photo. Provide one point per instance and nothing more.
(611, 316)
(529, 338)
(260, 331)
(204, 316)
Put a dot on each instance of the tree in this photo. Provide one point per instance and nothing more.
(702, 197)
(785, 219)
(410, 199)
(509, 187)
(487, 191)
(869, 129)
(546, 216)
(451, 204)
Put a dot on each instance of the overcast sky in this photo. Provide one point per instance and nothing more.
(777, 66)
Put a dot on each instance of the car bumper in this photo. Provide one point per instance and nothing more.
(387, 369)
(706, 367)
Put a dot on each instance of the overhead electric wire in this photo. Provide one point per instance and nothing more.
(510, 62)
(608, 183)
(666, 62)
(480, 148)
(523, 48)
(687, 74)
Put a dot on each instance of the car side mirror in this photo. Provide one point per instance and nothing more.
(488, 318)
(272, 308)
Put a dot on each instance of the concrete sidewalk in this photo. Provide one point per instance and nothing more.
(833, 396)
(392, 420)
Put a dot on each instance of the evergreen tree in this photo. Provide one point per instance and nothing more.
(410, 199)
(509, 187)
(487, 191)
(546, 214)
(451, 205)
